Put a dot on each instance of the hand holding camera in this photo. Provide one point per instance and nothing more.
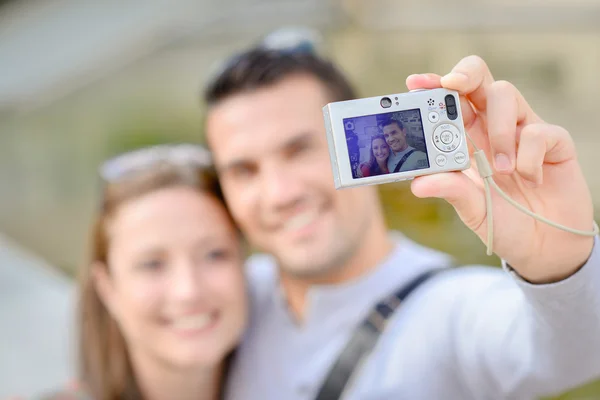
(534, 166)
(535, 163)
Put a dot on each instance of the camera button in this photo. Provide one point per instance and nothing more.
(440, 160)
(460, 157)
(446, 137)
(434, 117)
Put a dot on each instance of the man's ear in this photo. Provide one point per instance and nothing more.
(104, 286)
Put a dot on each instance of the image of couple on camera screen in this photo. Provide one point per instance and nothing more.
(386, 143)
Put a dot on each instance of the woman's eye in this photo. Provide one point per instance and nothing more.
(151, 265)
(218, 255)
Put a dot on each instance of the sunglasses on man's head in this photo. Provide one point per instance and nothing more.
(137, 161)
(284, 41)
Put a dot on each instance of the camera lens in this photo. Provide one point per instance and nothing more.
(451, 107)
(386, 102)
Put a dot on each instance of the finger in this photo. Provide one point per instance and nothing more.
(507, 110)
(432, 81)
(540, 143)
(423, 81)
(471, 77)
(503, 114)
(457, 189)
(530, 158)
(469, 115)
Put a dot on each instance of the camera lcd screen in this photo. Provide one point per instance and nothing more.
(386, 143)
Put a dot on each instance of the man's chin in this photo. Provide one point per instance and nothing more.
(312, 263)
(308, 272)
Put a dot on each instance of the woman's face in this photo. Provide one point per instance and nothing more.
(380, 149)
(175, 283)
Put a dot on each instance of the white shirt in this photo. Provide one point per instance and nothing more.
(469, 333)
(416, 160)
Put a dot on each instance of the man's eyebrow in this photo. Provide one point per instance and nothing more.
(298, 139)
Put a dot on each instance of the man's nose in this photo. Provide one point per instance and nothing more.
(280, 188)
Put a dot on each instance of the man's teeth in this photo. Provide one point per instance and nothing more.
(194, 322)
(300, 221)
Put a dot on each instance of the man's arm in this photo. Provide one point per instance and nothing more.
(541, 173)
(517, 340)
(542, 335)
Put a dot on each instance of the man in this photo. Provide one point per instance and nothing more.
(467, 333)
(403, 157)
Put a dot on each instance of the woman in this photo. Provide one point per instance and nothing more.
(163, 300)
(377, 164)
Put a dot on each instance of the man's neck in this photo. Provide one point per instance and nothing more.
(400, 151)
(374, 246)
(157, 381)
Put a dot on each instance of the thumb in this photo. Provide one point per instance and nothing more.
(457, 189)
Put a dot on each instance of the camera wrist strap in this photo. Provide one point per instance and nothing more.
(486, 172)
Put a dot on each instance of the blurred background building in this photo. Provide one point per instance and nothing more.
(80, 81)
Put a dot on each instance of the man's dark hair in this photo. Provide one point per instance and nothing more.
(259, 68)
(391, 121)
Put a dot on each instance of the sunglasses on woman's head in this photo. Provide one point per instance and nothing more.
(137, 161)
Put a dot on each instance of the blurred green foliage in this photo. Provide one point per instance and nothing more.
(586, 392)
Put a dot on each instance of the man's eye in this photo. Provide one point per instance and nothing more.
(242, 171)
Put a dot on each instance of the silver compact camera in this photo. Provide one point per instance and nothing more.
(396, 137)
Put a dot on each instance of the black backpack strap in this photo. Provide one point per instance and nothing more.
(365, 338)
(403, 160)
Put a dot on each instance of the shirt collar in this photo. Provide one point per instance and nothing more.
(403, 152)
(405, 261)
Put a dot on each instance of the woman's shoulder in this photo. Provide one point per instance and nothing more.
(365, 169)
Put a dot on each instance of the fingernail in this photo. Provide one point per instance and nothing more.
(503, 163)
(413, 76)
